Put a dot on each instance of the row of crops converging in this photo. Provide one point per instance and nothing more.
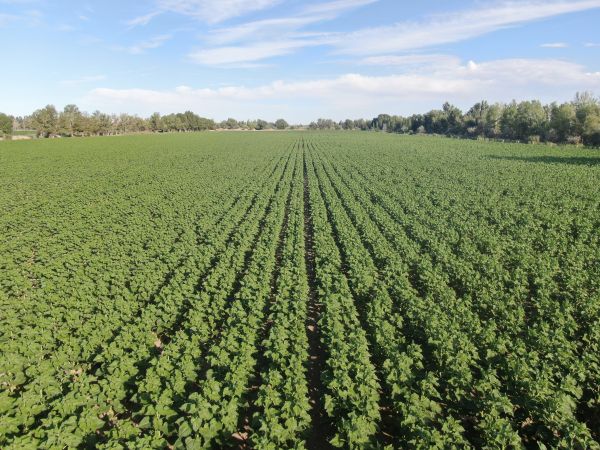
(302, 291)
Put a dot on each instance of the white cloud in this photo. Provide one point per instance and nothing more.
(271, 37)
(555, 45)
(336, 6)
(210, 11)
(286, 26)
(241, 56)
(356, 95)
(214, 11)
(259, 30)
(142, 20)
(400, 37)
(591, 44)
(141, 47)
(545, 73)
(452, 27)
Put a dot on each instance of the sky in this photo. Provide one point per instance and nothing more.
(296, 59)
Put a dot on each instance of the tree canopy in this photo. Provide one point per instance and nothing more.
(6, 124)
(572, 122)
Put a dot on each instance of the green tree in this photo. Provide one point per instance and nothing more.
(587, 108)
(206, 124)
(382, 122)
(585, 104)
(45, 121)
(155, 122)
(453, 118)
(261, 125)
(530, 120)
(435, 122)
(6, 124)
(191, 121)
(70, 120)
(508, 121)
(493, 116)
(173, 122)
(591, 129)
(100, 123)
(281, 124)
(231, 124)
(562, 121)
(126, 123)
(326, 124)
(476, 118)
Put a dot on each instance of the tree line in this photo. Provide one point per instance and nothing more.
(71, 121)
(574, 122)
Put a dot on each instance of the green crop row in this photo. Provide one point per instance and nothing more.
(298, 290)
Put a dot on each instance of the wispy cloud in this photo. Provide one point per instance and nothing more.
(141, 47)
(452, 27)
(243, 55)
(215, 11)
(555, 45)
(591, 44)
(271, 37)
(259, 30)
(142, 20)
(209, 11)
(336, 6)
(288, 25)
(274, 37)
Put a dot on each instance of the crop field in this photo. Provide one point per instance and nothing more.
(298, 290)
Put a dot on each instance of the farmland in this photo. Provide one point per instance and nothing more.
(298, 290)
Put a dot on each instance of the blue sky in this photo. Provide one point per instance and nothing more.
(295, 59)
